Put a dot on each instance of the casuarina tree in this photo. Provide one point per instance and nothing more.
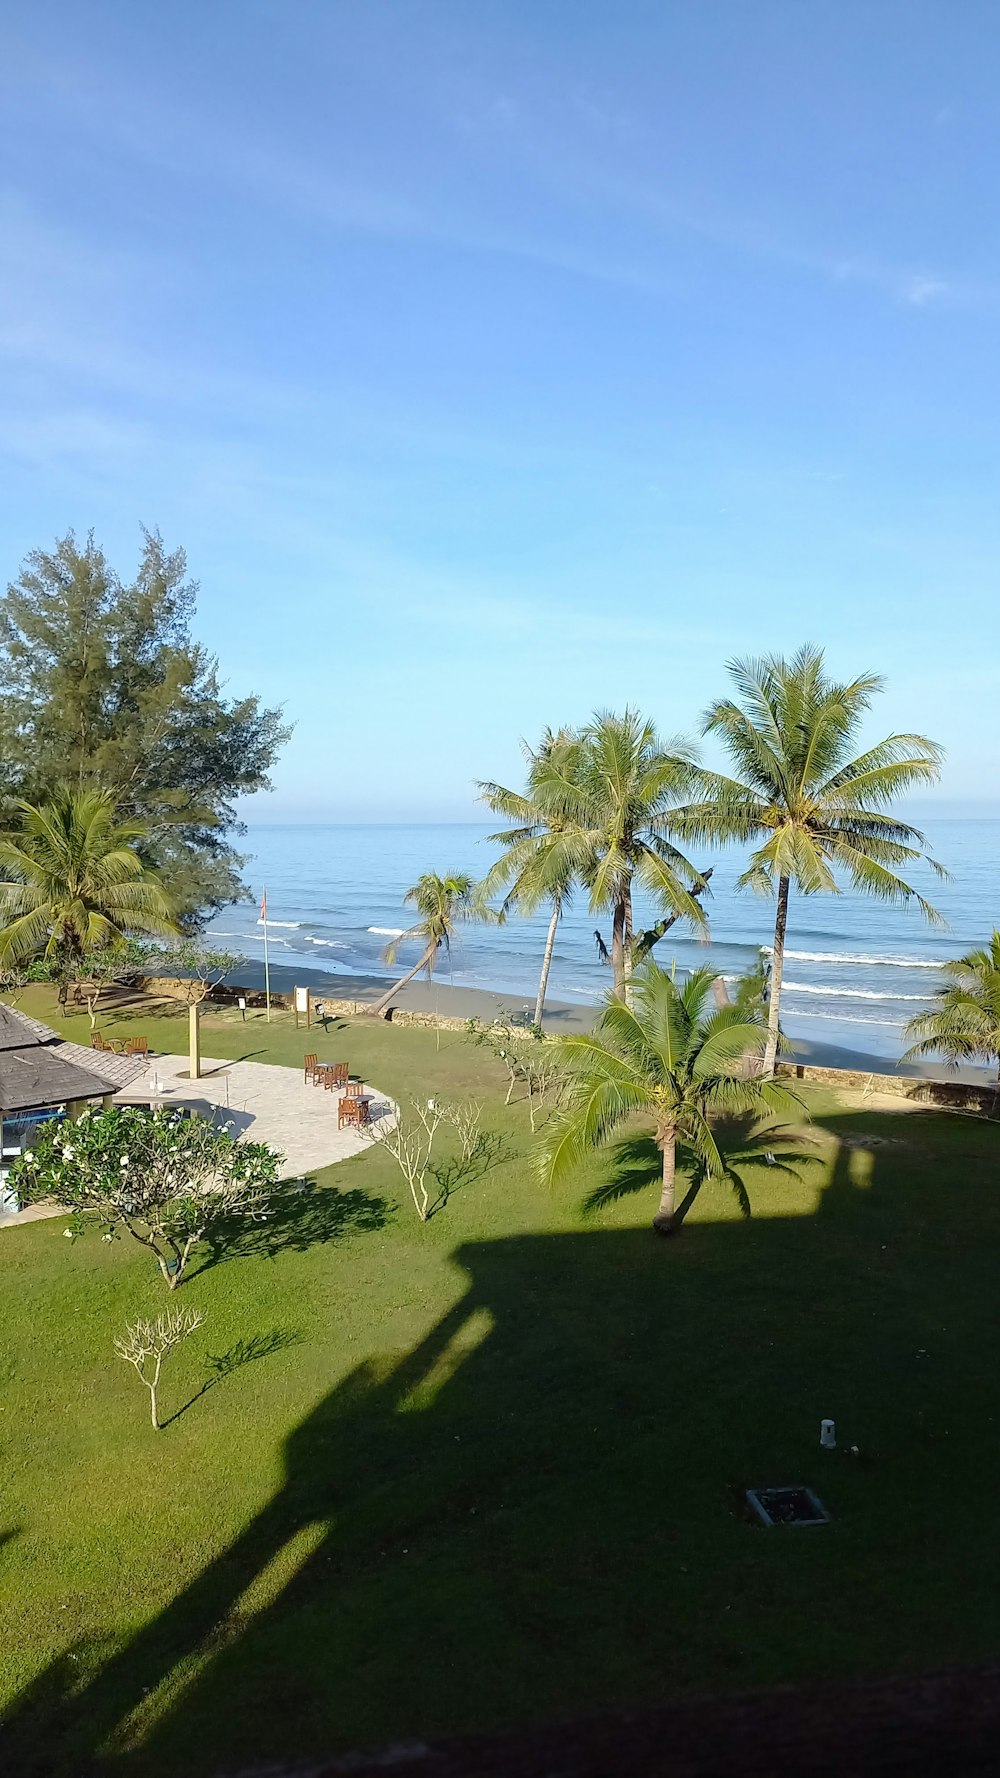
(101, 683)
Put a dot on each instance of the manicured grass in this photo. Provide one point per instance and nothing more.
(489, 1469)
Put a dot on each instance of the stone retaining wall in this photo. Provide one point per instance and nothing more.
(958, 1095)
(228, 993)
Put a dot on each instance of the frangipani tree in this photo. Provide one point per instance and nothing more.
(164, 1178)
(202, 969)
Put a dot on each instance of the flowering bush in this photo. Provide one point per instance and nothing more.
(165, 1177)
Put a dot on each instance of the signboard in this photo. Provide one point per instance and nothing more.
(303, 1004)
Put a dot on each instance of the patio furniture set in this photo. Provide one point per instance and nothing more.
(115, 1046)
(354, 1106)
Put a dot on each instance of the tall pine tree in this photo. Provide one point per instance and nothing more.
(102, 685)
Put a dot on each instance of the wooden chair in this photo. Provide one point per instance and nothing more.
(137, 1046)
(353, 1111)
(337, 1075)
(354, 1089)
(309, 1063)
(111, 1045)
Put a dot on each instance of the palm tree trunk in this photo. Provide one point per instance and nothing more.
(380, 1005)
(543, 980)
(777, 969)
(663, 1221)
(621, 941)
(618, 948)
(629, 941)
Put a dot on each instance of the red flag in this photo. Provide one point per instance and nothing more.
(263, 905)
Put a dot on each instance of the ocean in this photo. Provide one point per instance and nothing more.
(855, 970)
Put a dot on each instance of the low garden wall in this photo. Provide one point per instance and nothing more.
(227, 994)
(957, 1094)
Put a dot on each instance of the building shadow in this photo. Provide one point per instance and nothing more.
(538, 1509)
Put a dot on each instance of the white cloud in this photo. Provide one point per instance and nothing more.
(922, 289)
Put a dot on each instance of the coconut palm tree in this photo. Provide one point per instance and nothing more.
(442, 903)
(614, 789)
(74, 881)
(813, 805)
(542, 853)
(964, 1024)
(677, 1058)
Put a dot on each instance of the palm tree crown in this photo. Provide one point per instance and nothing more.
(677, 1058)
(542, 853)
(813, 805)
(74, 880)
(964, 1025)
(613, 789)
(442, 903)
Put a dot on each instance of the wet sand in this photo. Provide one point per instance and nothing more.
(560, 1015)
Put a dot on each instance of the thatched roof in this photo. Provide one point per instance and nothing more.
(39, 1068)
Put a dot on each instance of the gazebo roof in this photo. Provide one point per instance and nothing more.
(38, 1068)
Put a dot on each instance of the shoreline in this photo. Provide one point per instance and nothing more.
(560, 1016)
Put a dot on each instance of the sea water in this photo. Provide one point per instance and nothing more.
(855, 969)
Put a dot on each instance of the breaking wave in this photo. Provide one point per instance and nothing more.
(846, 993)
(867, 959)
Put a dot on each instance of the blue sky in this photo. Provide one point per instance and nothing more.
(494, 362)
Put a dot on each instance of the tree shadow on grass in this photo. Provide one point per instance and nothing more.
(302, 1216)
(243, 1352)
(495, 1491)
(637, 1163)
(492, 1148)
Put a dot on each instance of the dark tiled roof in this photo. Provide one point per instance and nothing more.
(38, 1067)
(40, 1076)
(16, 1031)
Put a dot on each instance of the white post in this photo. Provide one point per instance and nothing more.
(267, 966)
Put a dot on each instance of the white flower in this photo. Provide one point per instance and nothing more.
(107, 1237)
(68, 1153)
(124, 1161)
(68, 1233)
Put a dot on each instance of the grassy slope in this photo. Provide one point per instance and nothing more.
(488, 1469)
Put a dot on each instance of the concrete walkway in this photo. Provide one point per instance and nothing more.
(265, 1102)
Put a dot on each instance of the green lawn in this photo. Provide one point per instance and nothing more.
(489, 1469)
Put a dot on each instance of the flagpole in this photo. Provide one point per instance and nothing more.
(267, 965)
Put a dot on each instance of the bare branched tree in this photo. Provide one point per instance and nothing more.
(465, 1119)
(145, 1344)
(409, 1139)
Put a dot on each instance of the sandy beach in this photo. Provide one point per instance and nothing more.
(477, 1003)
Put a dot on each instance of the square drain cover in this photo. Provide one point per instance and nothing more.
(787, 1506)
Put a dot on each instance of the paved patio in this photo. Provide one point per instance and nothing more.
(266, 1102)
